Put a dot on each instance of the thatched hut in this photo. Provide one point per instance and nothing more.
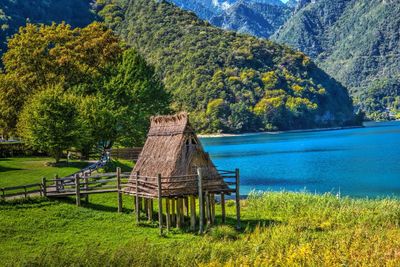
(173, 165)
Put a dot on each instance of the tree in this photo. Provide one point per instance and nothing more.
(137, 94)
(39, 56)
(99, 117)
(50, 122)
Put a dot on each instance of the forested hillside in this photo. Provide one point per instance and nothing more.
(355, 41)
(16, 13)
(229, 82)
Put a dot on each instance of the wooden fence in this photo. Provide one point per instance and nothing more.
(125, 153)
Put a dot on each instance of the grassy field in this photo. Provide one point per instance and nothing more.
(20, 171)
(279, 229)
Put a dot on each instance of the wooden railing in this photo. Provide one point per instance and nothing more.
(125, 153)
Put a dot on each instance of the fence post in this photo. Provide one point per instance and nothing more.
(119, 189)
(25, 194)
(56, 178)
(237, 198)
(201, 203)
(160, 214)
(77, 190)
(86, 180)
(44, 186)
(137, 198)
(3, 194)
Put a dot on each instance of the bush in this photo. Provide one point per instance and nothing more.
(223, 232)
(18, 149)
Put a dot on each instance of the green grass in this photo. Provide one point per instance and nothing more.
(20, 171)
(279, 229)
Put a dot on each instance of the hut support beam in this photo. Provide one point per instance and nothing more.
(186, 206)
(150, 209)
(160, 214)
(201, 203)
(212, 202)
(167, 214)
(178, 213)
(173, 217)
(208, 210)
(192, 213)
(223, 213)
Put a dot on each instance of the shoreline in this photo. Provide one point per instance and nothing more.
(279, 132)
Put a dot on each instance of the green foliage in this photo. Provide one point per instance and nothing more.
(201, 64)
(40, 56)
(137, 94)
(113, 90)
(50, 122)
(16, 13)
(16, 149)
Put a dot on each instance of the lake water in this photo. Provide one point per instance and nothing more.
(357, 162)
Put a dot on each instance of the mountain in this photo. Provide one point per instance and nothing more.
(229, 82)
(261, 19)
(15, 13)
(355, 41)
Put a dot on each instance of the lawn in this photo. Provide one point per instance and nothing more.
(279, 229)
(20, 171)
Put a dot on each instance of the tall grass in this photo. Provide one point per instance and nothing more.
(280, 229)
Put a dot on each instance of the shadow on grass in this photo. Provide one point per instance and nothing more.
(7, 169)
(26, 203)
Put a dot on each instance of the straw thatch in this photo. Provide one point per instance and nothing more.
(173, 150)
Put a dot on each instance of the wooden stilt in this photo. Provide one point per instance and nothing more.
(201, 203)
(182, 212)
(186, 206)
(237, 199)
(167, 214)
(208, 210)
(173, 214)
(178, 213)
(212, 202)
(192, 200)
(160, 214)
(150, 207)
(146, 207)
(223, 213)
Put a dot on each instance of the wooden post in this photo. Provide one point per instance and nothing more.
(137, 199)
(223, 213)
(77, 190)
(173, 214)
(86, 180)
(150, 209)
(25, 194)
(212, 202)
(237, 199)
(186, 206)
(168, 215)
(208, 208)
(57, 185)
(119, 189)
(3, 194)
(178, 213)
(201, 203)
(160, 214)
(192, 213)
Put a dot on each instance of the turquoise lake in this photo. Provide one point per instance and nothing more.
(361, 162)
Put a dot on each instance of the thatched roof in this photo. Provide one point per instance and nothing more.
(173, 150)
